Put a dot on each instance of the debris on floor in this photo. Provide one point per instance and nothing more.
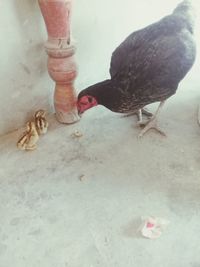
(76, 134)
(81, 177)
(152, 227)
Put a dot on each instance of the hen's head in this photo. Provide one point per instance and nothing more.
(85, 102)
(96, 94)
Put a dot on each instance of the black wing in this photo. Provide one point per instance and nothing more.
(138, 39)
(155, 57)
(143, 43)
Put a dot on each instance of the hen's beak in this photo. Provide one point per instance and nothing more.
(80, 113)
(78, 109)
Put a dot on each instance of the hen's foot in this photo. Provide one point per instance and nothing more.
(151, 124)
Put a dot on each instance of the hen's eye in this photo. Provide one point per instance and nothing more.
(90, 99)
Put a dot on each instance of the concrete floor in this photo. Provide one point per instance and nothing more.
(52, 218)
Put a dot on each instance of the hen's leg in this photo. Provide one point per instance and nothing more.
(146, 113)
(152, 123)
(142, 111)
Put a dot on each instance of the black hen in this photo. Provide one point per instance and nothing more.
(147, 67)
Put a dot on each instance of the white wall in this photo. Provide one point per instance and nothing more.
(98, 27)
(25, 85)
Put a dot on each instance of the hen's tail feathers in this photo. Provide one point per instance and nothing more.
(183, 6)
(186, 10)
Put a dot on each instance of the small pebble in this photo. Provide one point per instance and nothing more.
(81, 177)
(77, 134)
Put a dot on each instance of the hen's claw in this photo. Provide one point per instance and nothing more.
(151, 124)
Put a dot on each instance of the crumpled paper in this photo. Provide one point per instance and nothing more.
(152, 227)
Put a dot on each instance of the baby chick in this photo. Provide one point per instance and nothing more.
(41, 122)
(29, 138)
